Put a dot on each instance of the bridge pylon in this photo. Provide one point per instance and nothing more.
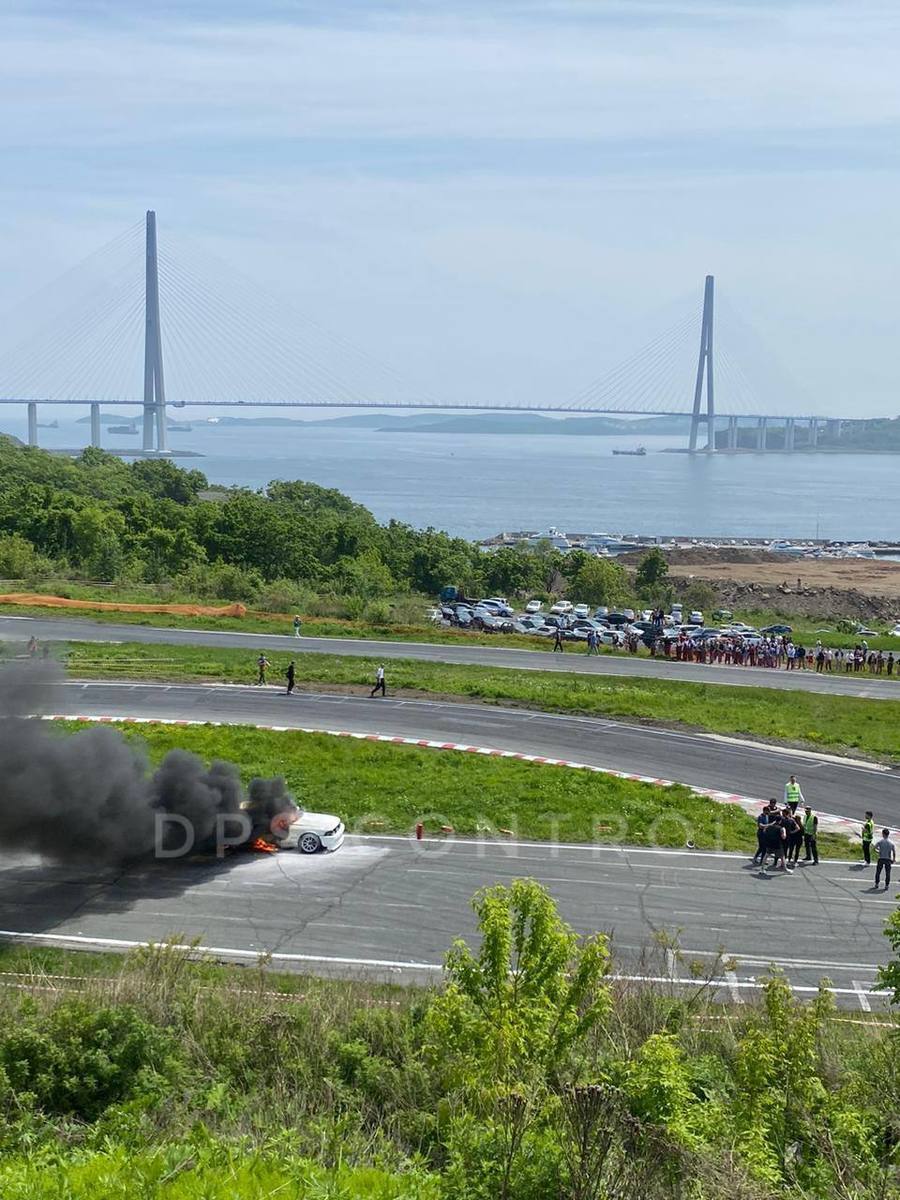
(154, 385)
(705, 368)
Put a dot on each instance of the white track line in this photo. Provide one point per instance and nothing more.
(79, 941)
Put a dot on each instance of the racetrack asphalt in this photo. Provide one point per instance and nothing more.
(391, 906)
(72, 629)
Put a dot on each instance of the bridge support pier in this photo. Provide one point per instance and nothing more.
(705, 368)
(95, 425)
(32, 423)
(154, 386)
(732, 433)
(789, 434)
(762, 431)
(813, 432)
(833, 429)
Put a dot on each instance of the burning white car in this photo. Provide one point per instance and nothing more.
(308, 832)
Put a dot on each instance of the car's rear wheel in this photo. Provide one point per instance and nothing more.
(309, 843)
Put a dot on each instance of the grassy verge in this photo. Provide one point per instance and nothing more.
(836, 723)
(149, 1077)
(379, 788)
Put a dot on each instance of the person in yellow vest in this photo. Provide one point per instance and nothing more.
(868, 836)
(810, 829)
(793, 797)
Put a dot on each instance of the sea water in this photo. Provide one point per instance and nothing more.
(474, 485)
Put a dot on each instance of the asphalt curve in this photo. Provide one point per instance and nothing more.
(391, 906)
(71, 629)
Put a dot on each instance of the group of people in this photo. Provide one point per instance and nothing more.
(778, 652)
(290, 674)
(782, 831)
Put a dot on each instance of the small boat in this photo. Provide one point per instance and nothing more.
(638, 452)
(132, 428)
(48, 424)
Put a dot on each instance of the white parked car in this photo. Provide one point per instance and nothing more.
(534, 606)
(311, 832)
(562, 607)
(581, 610)
(697, 617)
(895, 632)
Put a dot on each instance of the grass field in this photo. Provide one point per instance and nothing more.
(838, 723)
(379, 788)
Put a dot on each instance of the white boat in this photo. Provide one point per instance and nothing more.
(786, 548)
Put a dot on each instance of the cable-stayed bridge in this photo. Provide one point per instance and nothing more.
(133, 325)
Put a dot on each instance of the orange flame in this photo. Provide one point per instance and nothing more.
(261, 846)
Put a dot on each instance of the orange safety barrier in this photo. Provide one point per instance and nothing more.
(37, 600)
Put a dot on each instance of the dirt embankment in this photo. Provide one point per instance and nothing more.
(858, 588)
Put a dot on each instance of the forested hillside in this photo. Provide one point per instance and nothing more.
(100, 518)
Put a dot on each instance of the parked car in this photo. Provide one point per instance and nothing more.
(895, 632)
(434, 614)
(601, 611)
(697, 617)
(723, 614)
(581, 610)
(628, 613)
(534, 606)
(777, 630)
(562, 607)
(617, 619)
(496, 604)
(612, 637)
(863, 632)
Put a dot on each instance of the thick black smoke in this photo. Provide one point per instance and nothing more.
(91, 797)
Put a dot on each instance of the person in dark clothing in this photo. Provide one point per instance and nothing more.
(558, 641)
(289, 675)
(810, 831)
(776, 839)
(761, 822)
(793, 836)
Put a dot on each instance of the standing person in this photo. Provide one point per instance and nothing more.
(887, 854)
(297, 625)
(262, 665)
(810, 836)
(379, 683)
(868, 835)
(557, 641)
(32, 646)
(776, 839)
(289, 675)
(762, 821)
(793, 797)
(890, 662)
(793, 837)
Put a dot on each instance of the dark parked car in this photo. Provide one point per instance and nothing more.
(778, 630)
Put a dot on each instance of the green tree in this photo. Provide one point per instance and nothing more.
(511, 1023)
(652, 575)
(599, 581)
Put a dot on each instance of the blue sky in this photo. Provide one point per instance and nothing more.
(491, 197)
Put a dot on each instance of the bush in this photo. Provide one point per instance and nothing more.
(221, 581)
(79, 1059)
(378, 612)
(20, 560)
(283, 596)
